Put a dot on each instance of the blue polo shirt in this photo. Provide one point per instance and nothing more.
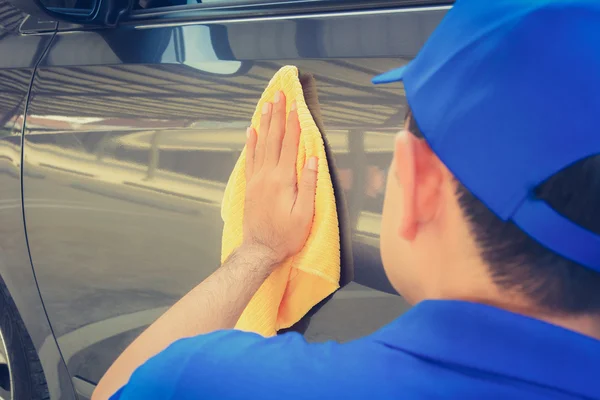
(438, 349)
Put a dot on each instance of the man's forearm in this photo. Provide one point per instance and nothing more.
(214, 304)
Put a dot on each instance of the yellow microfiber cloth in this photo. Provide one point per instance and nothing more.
(313, 274)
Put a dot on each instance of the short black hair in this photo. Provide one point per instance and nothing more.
(518, 263)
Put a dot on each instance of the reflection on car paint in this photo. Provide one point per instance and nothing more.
(19, 55)
(132, 134)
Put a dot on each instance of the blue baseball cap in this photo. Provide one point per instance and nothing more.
(507, 94)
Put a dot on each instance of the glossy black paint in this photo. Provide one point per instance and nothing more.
(19, 55)
(131, 134)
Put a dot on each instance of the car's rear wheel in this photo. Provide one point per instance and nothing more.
(21, 374)
(6, 380)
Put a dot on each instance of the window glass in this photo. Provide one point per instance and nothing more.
(237, 5)
(147, 4)
(70, 6)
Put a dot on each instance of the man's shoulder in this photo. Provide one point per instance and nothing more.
(281, 357)
(228, 365)
(235, 365)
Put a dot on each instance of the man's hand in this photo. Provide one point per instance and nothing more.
(279, 210)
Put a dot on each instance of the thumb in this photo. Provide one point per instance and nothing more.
(304, 208)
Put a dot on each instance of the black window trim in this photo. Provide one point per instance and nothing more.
(265, 9)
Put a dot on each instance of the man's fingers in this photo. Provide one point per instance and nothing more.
(304, 208)
(276, 131)
(251, 139)
(289, 151)
(263, 133)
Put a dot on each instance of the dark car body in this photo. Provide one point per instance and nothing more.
(117, 144)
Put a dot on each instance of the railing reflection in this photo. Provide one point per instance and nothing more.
(188, 166)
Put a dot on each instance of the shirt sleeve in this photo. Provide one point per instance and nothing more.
(117, 395)
(229, 365)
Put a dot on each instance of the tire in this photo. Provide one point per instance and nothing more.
(21, 374)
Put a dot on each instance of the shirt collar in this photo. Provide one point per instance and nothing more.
(500, 342)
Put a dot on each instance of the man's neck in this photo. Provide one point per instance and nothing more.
(468, 280)
(586, 325)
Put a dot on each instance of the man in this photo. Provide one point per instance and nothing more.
(491, 227)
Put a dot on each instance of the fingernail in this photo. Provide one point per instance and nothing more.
(248, 131)
(266, 108)
(312, 163)
(293, 105)
(277, 97)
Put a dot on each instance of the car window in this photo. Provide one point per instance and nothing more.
(70, 6)
(148, 4)
(141, 5)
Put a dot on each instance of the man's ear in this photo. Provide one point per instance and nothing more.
(419, 173)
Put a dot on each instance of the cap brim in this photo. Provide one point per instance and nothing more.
(394, 75)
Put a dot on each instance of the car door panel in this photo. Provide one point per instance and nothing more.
(19, 54)
(132, 134)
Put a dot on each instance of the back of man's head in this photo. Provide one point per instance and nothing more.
(517, 263)
(504, 190)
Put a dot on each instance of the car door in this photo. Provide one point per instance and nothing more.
(132, 133)
(28, 351)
